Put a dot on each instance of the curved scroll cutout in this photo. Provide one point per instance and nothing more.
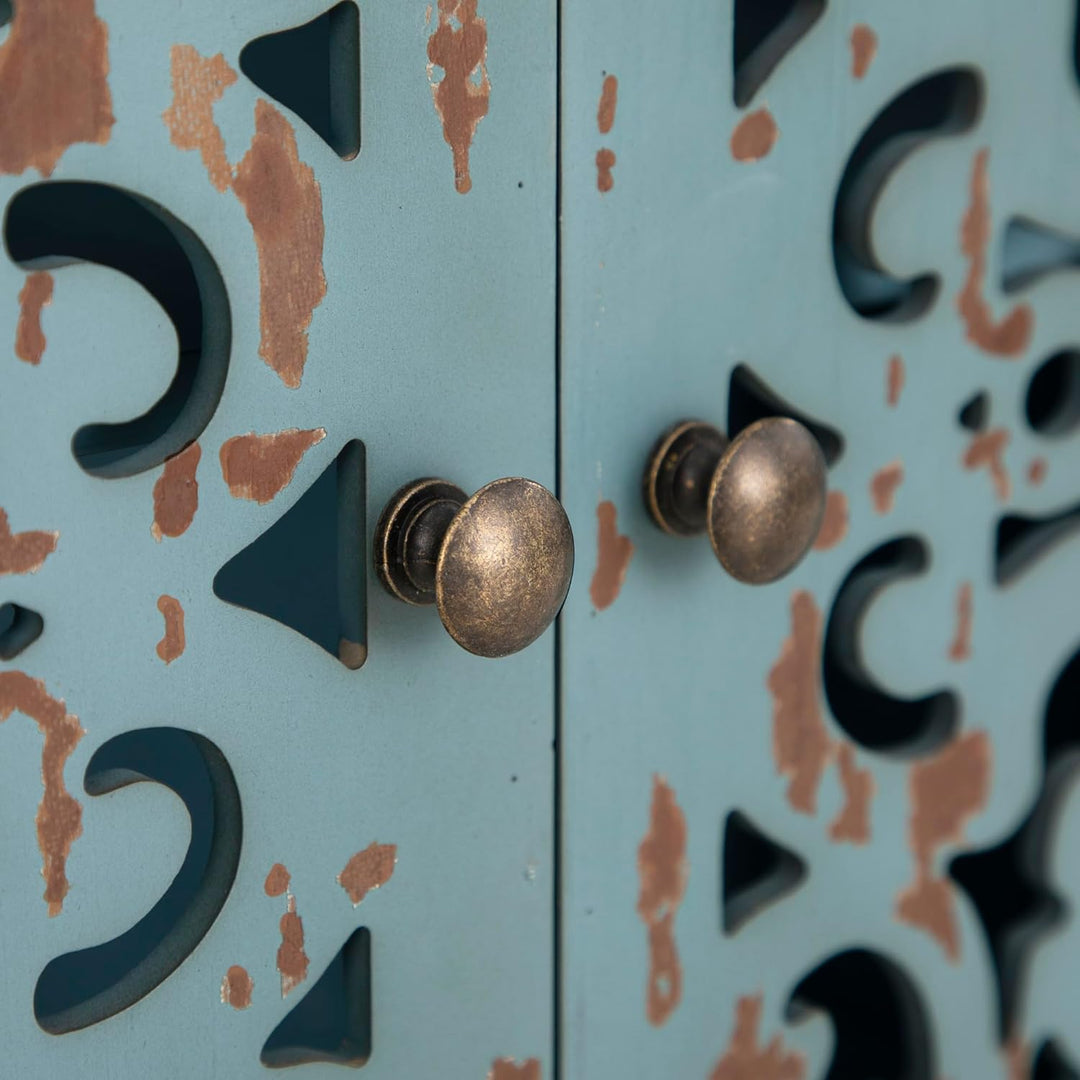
(1052, 401)
(1052, 1064)
(1009, 884)
(879, 1020)
(945, 103)
(85, 987)
(58, 222)
(763, 33)
(871, 717)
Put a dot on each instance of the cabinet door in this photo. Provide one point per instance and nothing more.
(383, 315)
(805, 825)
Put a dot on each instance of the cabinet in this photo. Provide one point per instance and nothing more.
(814, 828)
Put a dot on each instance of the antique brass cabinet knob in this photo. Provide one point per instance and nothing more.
(497, 565)
(761, 497)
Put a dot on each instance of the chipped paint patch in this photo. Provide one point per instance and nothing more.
(1036, 471)
(746, 1059)
(458, 45)
(59, 816)
(1017, 1056)
(852, 824)
(1009, 337)
(35, 294)
(883, 485)
(894, 381)
(663, 872)
(277, 881)
(987, 451)
(944, 791)
(172, 644)
(834, 523)
(368, 869)
(197, 82)
(863, 49)
(605, 162)
(24, 553)
(54, 69)
(613, 555)
(236, 987)
(258, 467)
(801, 745)
(754, 136)
(609, 99)
(284, 205)
(960, 649)
(509, 1069)
(292, 961)
(176, 494)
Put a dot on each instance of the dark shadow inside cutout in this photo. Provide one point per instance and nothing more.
(874, 719)
(308, 570)
(945, 103)
(7, 10)
(1051, 1064)
(1032, 250)
(1009, 882)
(314, 70)
(85, 987)
(974, 414)
(763, 33)
(1052, 402)
(332, 1022)
(750, 399)
(756, 872)
(58, 222)
(880, 1024)
(1021, 541)
(19, 628)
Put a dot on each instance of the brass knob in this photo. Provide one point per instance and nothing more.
(761, 497)
(497, 565)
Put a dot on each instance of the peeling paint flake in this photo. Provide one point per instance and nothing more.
(755, 136)
(172, 644)
(292, 961)
(59, 816)
(852, 824)
(945, 791)
(801, 745)
(258, 467)
(236, 987)
(509, 1069)
(987, 451)
(176, 494)
(863, 49)
(54, 69)
(960, 649)
(746, 1059)
(883, 485)
(894, 381)
(1009, 337)
(605, 162)
(613, 556)
(277, 881)
(663, 872)
(25, 552)
(609, 98)
(35, 294)
(368, 869)
(284, 205)
(197, 82)
(1036, 471)
(834, 523)
(458, 45)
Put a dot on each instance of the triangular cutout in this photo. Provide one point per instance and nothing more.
(757, 871)
(314, 70)
(19, 628)
(974, 414)
(750, 399)
(764, 32)
(332, 1022)
(1051, 1064)
(308, 569)
(1033, 250)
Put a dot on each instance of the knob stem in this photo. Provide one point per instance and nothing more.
(677, 479)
